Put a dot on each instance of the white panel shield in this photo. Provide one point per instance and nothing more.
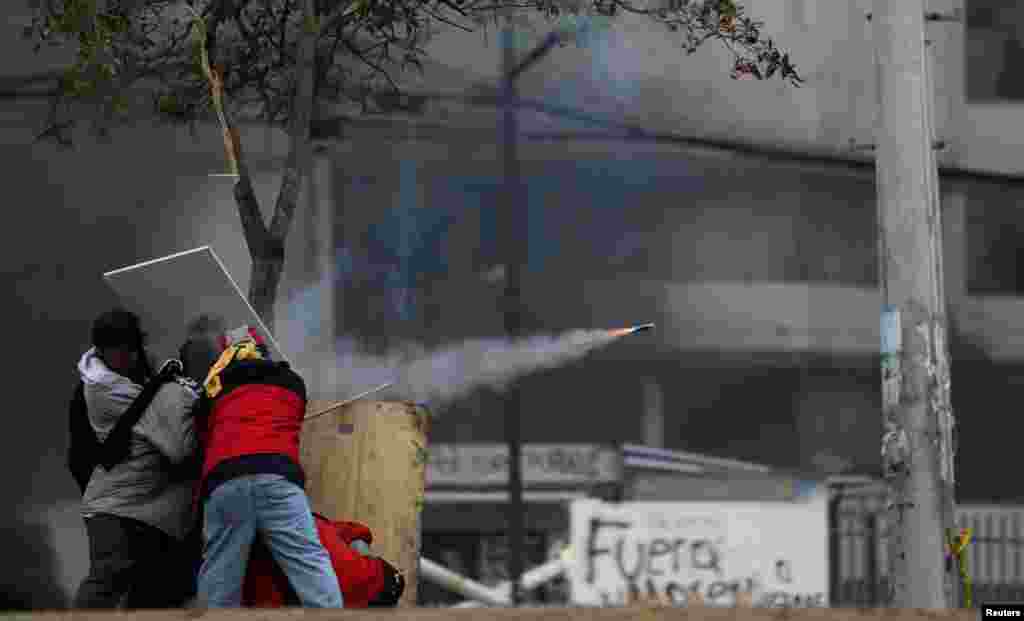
(169, 292)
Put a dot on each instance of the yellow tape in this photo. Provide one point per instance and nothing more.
(232, 143)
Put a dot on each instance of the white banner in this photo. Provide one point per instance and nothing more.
(487, 464)
(761, 554)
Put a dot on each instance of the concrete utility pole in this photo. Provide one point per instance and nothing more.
(917, 447)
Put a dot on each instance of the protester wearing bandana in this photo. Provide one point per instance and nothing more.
(251, 482)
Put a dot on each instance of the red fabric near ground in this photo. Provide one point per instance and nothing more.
(361, 578)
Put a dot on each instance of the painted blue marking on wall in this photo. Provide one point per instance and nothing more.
(407, 244)
(586, 207)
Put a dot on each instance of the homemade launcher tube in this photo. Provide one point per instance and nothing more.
(460, 585)
(365, 461)
(536, 577)
(531, 580)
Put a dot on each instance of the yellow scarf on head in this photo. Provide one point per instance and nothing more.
(243, 350)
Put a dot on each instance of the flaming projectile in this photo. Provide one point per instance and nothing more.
(631, 330)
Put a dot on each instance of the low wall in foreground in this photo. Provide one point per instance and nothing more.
(634, 613)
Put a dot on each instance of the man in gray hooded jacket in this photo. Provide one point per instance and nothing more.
(138, 513)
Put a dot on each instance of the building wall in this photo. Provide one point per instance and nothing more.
(637, 71)
(760, 278)
(701, 247)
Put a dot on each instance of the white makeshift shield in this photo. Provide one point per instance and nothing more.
(169, 292)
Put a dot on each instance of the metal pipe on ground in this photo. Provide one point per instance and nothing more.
(531, 580)
(460, 585)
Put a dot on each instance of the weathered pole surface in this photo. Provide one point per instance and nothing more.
(917, 446)
(514, 235)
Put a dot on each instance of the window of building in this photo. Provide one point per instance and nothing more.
(995, 50)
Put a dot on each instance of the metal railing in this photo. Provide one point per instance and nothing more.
(859, 555)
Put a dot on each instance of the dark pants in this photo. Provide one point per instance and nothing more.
(132, 561)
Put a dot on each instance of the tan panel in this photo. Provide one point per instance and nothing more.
(366, 462)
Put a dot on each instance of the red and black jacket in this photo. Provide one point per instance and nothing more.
(253, 425)
(365, 581)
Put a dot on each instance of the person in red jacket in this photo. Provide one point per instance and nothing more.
(251, 483)
(365, 581)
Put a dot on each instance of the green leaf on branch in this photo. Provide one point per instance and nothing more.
(312, 24)
(120, 104)
(727, 8)
(167, 104)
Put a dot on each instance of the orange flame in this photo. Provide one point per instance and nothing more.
(617, 332)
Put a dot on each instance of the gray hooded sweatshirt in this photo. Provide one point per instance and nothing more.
(141, 487)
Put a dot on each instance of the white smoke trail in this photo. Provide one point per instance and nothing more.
(447, 373)
(433, 376)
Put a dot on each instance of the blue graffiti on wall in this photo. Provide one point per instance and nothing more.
(408, 242)
(578, 211)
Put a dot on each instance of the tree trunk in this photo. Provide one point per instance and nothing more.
(265, 278)
(267, 245)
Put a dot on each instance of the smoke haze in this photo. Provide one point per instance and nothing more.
(441, 375)
(430, 375)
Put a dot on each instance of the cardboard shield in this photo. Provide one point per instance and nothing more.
(169, 292)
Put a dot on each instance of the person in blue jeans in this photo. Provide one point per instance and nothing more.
(251, 483)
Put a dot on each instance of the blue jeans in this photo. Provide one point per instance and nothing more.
(276, 509)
